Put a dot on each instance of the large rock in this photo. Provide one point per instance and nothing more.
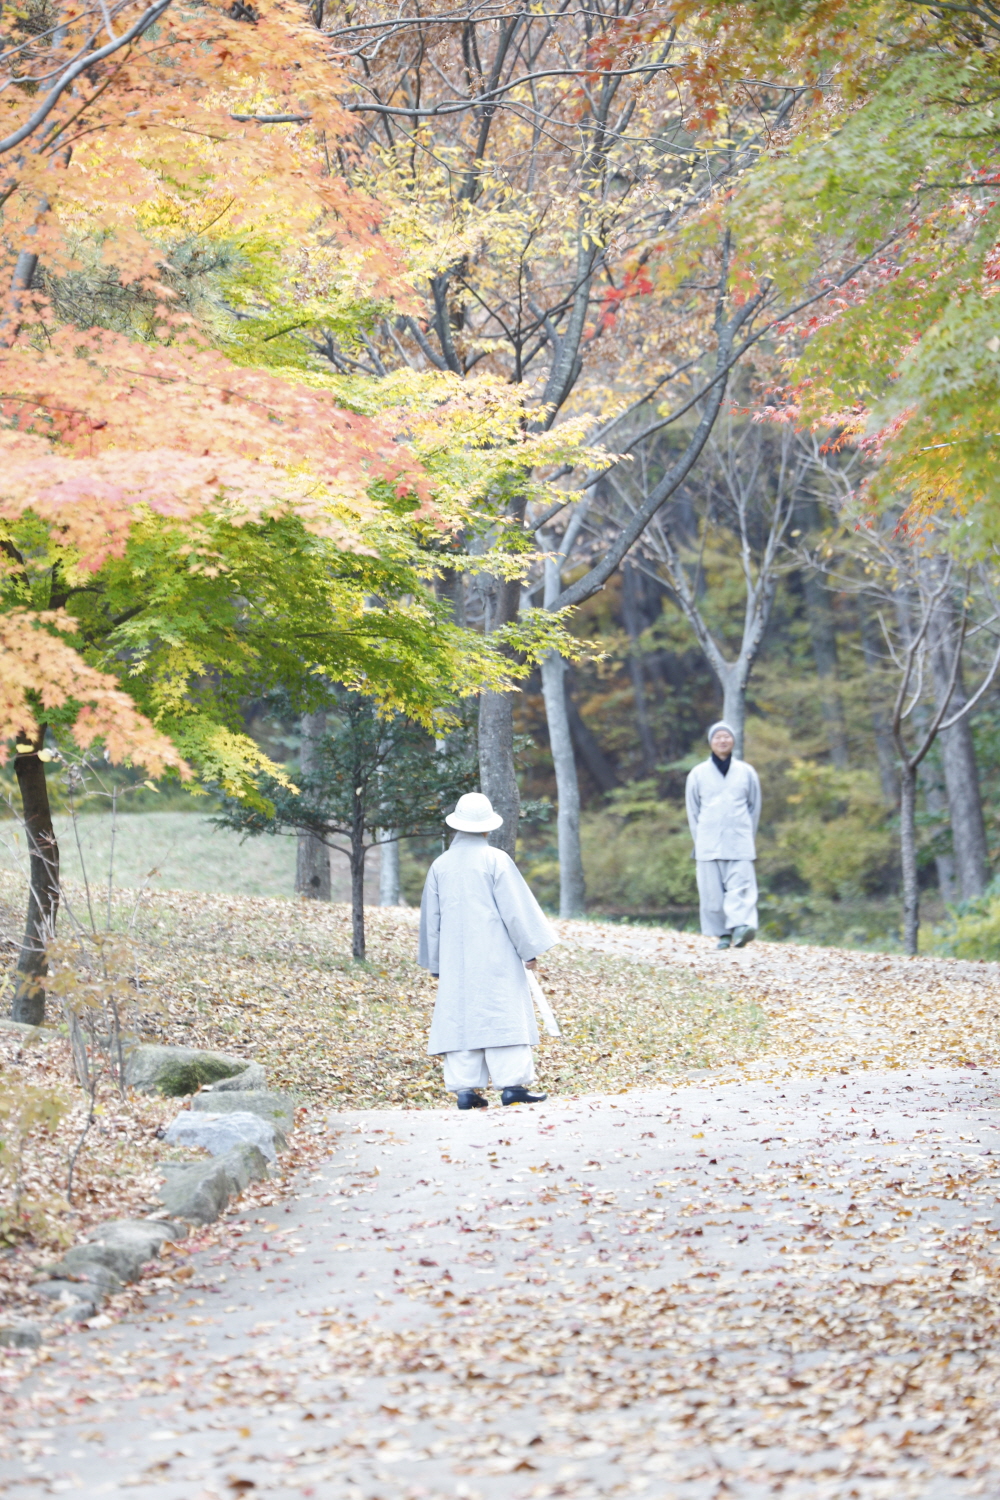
(149, 1234)
(251, 1079)
(200, 1192)
(219, 1133)
(94, 1278)
(95, 1269)
(277, 1107)
(119, 1248)
(28, 1032)
(176, 1071)
(20, 1336)
(72, 1300)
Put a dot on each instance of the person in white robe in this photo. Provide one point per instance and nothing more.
(480, 927)
(723, 808)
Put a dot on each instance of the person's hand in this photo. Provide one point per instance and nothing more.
(531, 963)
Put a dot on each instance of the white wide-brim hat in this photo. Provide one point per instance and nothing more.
(474, 814)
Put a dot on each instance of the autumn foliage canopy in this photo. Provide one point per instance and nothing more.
(180, 521)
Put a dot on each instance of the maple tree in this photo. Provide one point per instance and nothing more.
(183, 525)
(899, 163)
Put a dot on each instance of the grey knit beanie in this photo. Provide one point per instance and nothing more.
(721, 725)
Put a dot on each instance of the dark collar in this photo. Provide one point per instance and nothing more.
(722, 766)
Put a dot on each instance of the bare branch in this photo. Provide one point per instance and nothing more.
(31, 124)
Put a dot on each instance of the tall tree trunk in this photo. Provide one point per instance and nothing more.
(884, 749)
(599, 767)
(450, 586)
(497, 774)
(357, 901)
(312, 857)
(734, 701)
(968, 830)
(908, 851)
(936, 803)
(358, 878)
(554, 678)
(961, 774)
(633, 625)
(823, 635)
(43, 893)
(388, 870)
(571, 882)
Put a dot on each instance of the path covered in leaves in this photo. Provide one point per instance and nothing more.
(771, 1284)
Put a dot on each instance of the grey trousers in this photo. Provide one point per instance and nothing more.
(727, 894)
(509, 1067)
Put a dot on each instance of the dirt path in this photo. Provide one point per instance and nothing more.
(730, 1289)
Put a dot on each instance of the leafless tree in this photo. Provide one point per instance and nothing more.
(939, 619)
(745, 493)
(571, 129)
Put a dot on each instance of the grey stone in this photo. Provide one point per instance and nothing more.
(277, 1107)
(250, 1080)
(123, 1262)
(71, 1298)
(146, 1234)
(20, 1336)
(92, 1274)
(29, 1033)
(176, 1071)
(201, 1191)
(218, 1133)
(116, 1253)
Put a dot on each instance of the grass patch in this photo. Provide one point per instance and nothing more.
(176, 851)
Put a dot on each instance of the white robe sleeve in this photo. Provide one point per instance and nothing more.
(692, 797)
(522, 916)
(429, 952)
(754, 798)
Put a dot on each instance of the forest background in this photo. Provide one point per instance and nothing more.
(580, 366)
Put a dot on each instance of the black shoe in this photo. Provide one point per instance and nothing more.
(470, 1099)
(725, 941)
(743, 935)
(520, 1095)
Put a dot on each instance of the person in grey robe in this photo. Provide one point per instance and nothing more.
(723, 808)
(480, 926)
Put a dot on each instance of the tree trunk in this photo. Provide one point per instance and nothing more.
(633, 624)
(388, 870)
(450, 585)
(937, 805)
(599, 767)
(908, 852)
(497, 775)
(312, 857)
(43, 894)
(734, 702)
(357, 900)
(961, 774)
(968, 831)
(571, 883)
(358, 874)
(884, 748)
(823, 635)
